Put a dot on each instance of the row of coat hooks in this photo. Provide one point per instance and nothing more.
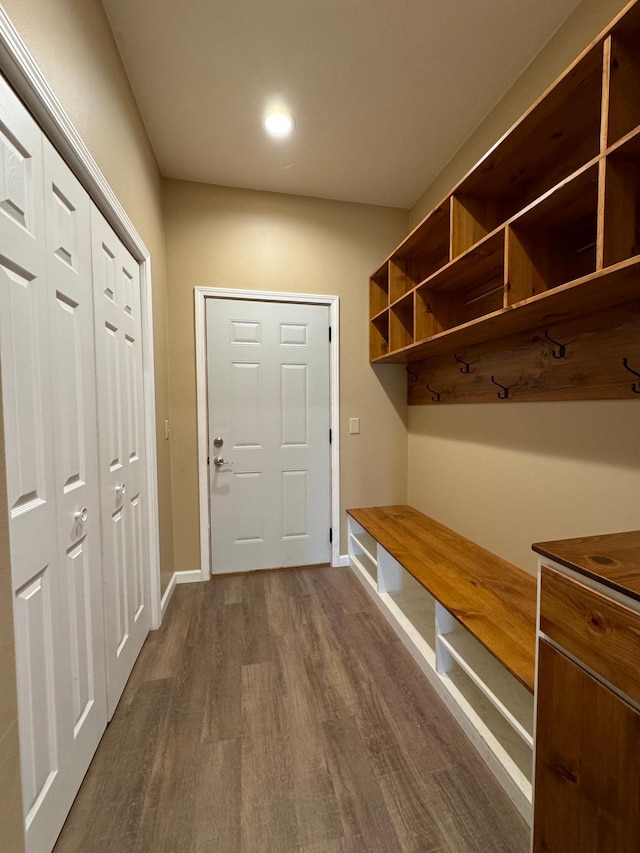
(503, 393)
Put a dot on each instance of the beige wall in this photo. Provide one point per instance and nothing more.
(11, 832)
(509, 475)
(73, 46)
(221, 237)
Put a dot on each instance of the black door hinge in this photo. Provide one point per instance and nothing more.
(331, 534)
(330, 436)
(329, 334)
(207, 460)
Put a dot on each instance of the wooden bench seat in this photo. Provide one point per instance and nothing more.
(493, 599)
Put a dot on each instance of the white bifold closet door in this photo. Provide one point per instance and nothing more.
(48, 383)
(72, 575)
(118, 334)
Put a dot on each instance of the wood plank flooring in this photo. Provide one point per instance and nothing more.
(278, 713)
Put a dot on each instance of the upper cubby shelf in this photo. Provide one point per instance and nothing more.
(556, 137)
(545, 226)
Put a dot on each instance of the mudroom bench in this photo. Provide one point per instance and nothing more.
(468, 618)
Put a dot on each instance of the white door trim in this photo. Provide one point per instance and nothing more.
(333, 302)
(21, 71)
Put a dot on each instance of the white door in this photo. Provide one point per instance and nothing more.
(118, 341)
(46, 351)
(268, 388)
(75, 432)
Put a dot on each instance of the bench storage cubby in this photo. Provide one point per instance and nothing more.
(468, 619)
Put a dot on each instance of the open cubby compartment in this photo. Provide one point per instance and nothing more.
(379, 290)
(379, 336)
(363, 553)
(409, 605)
(553, 140)
(622, 203)
(506, 753)
(472, 286)
(503, 690)
(624, 77)
(401, 323)
(424, 251)
(555, 241)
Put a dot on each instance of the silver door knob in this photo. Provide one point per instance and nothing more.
(121, 489)
(81, 515)
(218, 461)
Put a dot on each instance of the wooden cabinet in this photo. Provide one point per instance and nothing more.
(587, 741)
(539, 242)
(587, 776)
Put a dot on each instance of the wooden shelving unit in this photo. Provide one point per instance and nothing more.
(543, 232)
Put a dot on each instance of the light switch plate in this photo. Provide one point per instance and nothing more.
(354, 426)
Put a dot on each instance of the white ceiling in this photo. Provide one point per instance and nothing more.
(383, 93)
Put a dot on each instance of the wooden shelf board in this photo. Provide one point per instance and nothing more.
(479, 262)
(631, 139)
(601, 290)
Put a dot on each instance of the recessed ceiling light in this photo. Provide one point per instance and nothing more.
(279, 123)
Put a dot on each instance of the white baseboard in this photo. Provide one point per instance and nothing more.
(166, 595)
(190, 576)
(343, 560)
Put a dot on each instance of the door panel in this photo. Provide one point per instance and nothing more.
(121, 453)
(294, 405)
(36, 685)
(25, 358)
(295, 502)
(268, 366)
(79, 564)
(587, 784)
(82, 714)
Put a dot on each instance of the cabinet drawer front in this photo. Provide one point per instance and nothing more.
(602, 633)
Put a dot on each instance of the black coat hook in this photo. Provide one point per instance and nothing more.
(562, 351)
(635, 386)
(413, 377)
(467, 365)
(435, 399)
(504, 388)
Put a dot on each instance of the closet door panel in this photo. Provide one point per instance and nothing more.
(69, 273)
(25, 356)
(121, 453)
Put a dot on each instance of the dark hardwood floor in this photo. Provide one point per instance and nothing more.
(279, 713)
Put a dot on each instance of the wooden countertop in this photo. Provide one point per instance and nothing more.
(612, 558)
(493, 599)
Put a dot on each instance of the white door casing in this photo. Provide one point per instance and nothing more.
(268, 367)
(118, 341)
